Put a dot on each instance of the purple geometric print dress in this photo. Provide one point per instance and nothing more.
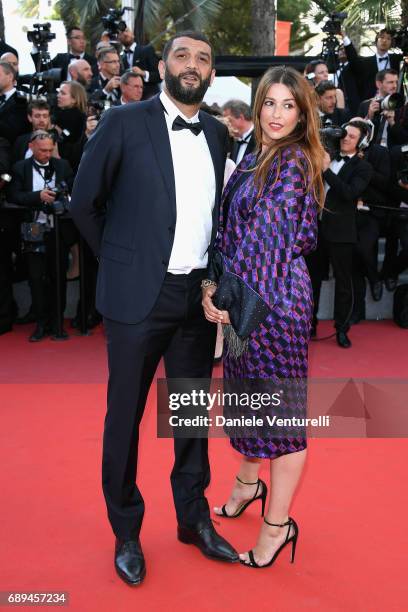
(263, 241)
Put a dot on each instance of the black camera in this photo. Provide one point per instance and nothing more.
(41, 35)
(95, 108)
(61, 202)
(333, 24)
(330, 135)
(400, 39)
(113, 23)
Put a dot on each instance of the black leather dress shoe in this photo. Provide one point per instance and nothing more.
(208, 541)
(129, 561)
(391, 284)
(343, 340)
(39, 333)
(376, 290)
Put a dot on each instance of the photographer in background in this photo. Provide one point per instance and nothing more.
(131, 86)
(346, 177)
(385, 132)
(318, 71)
(366, 68)
(141, 60)
(327, 101)
(39, 116)
(370, 223)
(106, 86)
(76, 42)
(33, 186)
(239, 117)
(13, 109)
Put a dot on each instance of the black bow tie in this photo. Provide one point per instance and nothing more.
(180, 124)
(72, 56)
(383, 59)
(46, 170)
(342, 157)
(242, 141)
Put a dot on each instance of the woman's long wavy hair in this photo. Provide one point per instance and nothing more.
(305, 135)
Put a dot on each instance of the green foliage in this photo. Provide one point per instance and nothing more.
(28, 8)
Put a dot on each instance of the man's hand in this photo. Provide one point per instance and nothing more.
(326, 161)
(138, 70)
(113, 83)
(91, 123)
(390, 117)
(373, 108)
(212, 313)
(47, 196)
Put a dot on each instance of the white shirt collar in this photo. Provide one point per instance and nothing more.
(131, 48)
(246, 134)
(173, 111)
(9, 93)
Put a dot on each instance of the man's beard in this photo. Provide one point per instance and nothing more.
(186, 95)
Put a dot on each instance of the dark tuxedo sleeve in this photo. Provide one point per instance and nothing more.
(379, 160)
(355, 186)
(95, 177)
(363, 108)
(353, 59)
(398, 133)
(17, 192)
(151, 63)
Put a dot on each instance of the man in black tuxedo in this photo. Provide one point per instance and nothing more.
(366, 68)
(346, 178)
(143, 60)
(386, 83)
(106, 86)
(239, 115)
(34, 180)
(326, 100)
(13, 109)
(158, 167)
(345, 79)
(76, 50)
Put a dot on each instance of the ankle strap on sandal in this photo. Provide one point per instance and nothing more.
(247, 483)
(288, 522)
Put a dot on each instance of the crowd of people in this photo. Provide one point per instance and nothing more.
(365, 170)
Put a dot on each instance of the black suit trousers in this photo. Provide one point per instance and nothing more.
(176, 330)
(341, 258)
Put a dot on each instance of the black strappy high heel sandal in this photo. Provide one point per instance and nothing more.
(245, 504)
(293, 538)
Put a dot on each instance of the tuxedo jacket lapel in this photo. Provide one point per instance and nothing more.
(157, 127)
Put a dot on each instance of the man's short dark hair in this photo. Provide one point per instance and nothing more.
(383, 31)
(324, 86)
(71, 29)
(102, 55)
(128, 75)
(187, 34)
(38, 105)
(8, 68)
(238, 108)
(380, 76)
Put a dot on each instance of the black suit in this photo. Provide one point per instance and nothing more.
(248, 149)
(145, 58)
(97, 86)
(149, 313)
(337, 117)
(41, 267)
(347, 82)
(13, 118)
(366, 68)
(339, 234)
(20, 147)
(396, 134)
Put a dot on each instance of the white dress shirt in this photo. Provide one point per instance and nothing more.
(38, 185)
(243, 147)
(194, 178)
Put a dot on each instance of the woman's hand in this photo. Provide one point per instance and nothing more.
(212, 313)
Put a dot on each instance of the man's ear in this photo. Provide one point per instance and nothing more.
(162, 69)
(212, 76)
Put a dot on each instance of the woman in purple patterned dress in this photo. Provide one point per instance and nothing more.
(269, 223)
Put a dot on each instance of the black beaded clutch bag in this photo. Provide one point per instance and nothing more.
(246, 309)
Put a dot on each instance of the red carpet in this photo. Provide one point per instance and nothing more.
(54, 535)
